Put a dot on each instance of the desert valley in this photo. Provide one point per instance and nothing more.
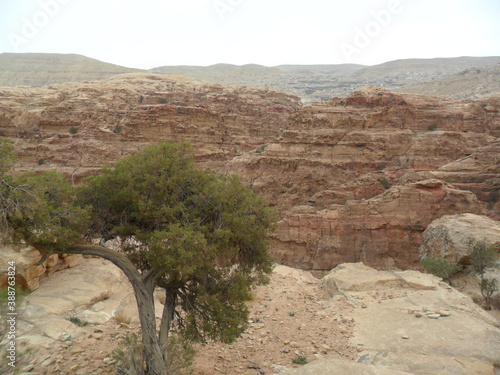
(370, 169)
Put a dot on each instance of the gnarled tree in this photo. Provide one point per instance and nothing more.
(201, 237)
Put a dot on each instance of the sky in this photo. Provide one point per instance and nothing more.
(151, 33)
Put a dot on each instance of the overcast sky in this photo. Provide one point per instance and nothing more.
(151, 33)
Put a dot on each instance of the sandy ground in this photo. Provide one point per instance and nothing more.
(289, 318)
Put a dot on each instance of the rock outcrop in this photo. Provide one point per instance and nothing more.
(76, 128)
(449, 236)
(412, 322)
(323, 163)
(478, 173)
(356, 320)
(383, 231)
(342, 367)
(28, 272)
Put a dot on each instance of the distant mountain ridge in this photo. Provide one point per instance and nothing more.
(461, 77)
(42, 69)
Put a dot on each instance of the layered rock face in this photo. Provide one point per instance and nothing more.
(356, 178)
(384, 231)
(79, 127)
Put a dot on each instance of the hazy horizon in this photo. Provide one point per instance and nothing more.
(250, 63)
(157, 33)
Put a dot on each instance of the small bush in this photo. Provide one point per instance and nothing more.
(300, 360)
(488, 287)
(260, 149)
(179, 351)
(118, 129)
(483, 257)
(121, 317)
(41, 161)
(78, 321)
(73, 130)
(440, 267)
(492, 198)
(432, 127)
(385, 183)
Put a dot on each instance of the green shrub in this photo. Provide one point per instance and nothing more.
(300, 360)
(488, 287)
(260, 149)
(432, 127)
(492, 198)
(484, 257)
(78, 321)
(385, 183)
(440, 267)
(118, 129)
(73, 130)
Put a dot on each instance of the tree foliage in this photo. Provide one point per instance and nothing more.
(440, 267)
(7, 157)
(484, 257)
(206, 235)
(201, 237)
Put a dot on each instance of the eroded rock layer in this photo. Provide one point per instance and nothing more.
(356, 178)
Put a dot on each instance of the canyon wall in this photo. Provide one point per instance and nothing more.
(356, 178)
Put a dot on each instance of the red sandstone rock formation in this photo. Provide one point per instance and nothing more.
(355, 162)
(384, 231)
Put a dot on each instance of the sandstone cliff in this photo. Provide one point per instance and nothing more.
(356, 178)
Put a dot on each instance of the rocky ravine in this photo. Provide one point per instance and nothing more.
(356, 320)
(356, 178)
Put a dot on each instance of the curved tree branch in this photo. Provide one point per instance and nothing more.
(154, 355)
(115, 257)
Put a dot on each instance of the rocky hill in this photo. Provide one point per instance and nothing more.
(354, 179)
(323, 82)
(461, 77)
(469, 83)
(41, 69)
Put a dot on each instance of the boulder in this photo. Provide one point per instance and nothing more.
(449, 236)
(28, 273)
(45, 311)
(357, 277)
(413, 322)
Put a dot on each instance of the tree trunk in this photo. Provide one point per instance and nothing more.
(167, 317)
(143, 290)
(153, 353)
